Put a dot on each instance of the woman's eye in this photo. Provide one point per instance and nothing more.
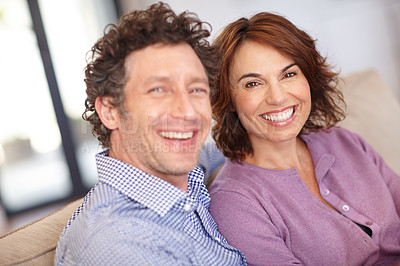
(251, 84)
(290, 74)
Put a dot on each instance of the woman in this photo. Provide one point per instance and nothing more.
(296, 189)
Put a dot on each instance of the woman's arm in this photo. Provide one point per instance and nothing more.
(392, 179)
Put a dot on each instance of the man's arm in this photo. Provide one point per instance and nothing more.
(211, 158)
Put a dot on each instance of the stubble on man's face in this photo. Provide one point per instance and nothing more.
(168, 110)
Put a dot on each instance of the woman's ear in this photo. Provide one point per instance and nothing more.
(107, 112)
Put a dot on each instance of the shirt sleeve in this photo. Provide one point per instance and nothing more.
(247, 226)
(210, 159)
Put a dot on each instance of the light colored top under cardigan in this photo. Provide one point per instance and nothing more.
(274, 219)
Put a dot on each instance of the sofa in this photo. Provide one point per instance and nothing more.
(35, 243)
(373, 112)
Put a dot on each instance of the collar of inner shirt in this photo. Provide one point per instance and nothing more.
(151, 191)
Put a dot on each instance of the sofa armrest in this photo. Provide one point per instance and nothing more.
(35, 243)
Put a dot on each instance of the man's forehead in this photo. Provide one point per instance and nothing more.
(158, 61)
(150, 49)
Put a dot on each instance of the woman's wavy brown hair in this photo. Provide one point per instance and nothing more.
(105, 71)
(278, 32)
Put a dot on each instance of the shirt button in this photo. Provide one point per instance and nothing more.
(187, 207)
(345, 208)
(368, 223)
(325, 192)
(217, 239)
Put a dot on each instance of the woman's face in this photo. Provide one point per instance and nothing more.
(269, 92)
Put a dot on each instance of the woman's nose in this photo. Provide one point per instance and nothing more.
(275, 95)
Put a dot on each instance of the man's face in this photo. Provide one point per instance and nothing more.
(167, 110)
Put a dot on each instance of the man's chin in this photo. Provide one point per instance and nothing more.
(179, 165)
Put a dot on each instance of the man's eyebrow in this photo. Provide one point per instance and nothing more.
(199, 79)
(255, 75)
(157, 78)
(167, 78)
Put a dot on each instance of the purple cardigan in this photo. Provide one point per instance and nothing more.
(274, 219)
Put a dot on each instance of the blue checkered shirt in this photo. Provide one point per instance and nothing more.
(133, 218)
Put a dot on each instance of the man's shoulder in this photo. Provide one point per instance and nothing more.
(102, 206)
(101, 200)
(107, 216)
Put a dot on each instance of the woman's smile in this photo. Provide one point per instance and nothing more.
(280, 118)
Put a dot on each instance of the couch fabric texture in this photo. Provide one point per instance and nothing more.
(35, 243)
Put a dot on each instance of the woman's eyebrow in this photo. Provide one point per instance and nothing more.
(287, 67)
(255, 75)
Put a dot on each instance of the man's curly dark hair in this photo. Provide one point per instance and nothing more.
(105, 71)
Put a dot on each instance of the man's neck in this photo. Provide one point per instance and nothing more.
(178, 180)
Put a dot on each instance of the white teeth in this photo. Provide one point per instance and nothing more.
(280, 117)
(176, 135)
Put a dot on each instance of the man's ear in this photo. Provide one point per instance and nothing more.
(107, 112)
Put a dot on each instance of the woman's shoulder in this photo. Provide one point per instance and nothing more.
(237, 170)
(244, 178)
(334, 134)
(230, 177)
(332, 131)
(336, 141)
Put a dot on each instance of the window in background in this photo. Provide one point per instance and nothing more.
(72, 27)
(32, 165)
(35, 167)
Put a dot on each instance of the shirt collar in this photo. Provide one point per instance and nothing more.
(149, 190)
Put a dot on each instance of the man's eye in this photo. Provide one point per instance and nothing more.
(156, 90)
(251, 84)
(198, 90)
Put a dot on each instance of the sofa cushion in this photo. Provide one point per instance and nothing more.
(374, 113)
(35, 243)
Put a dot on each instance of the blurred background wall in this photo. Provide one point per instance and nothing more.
(354, 34)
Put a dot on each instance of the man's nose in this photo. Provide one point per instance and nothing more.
(182, 106)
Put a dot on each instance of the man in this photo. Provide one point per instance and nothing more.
(148, 86)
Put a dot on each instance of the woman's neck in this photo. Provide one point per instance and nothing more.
(279, 156)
